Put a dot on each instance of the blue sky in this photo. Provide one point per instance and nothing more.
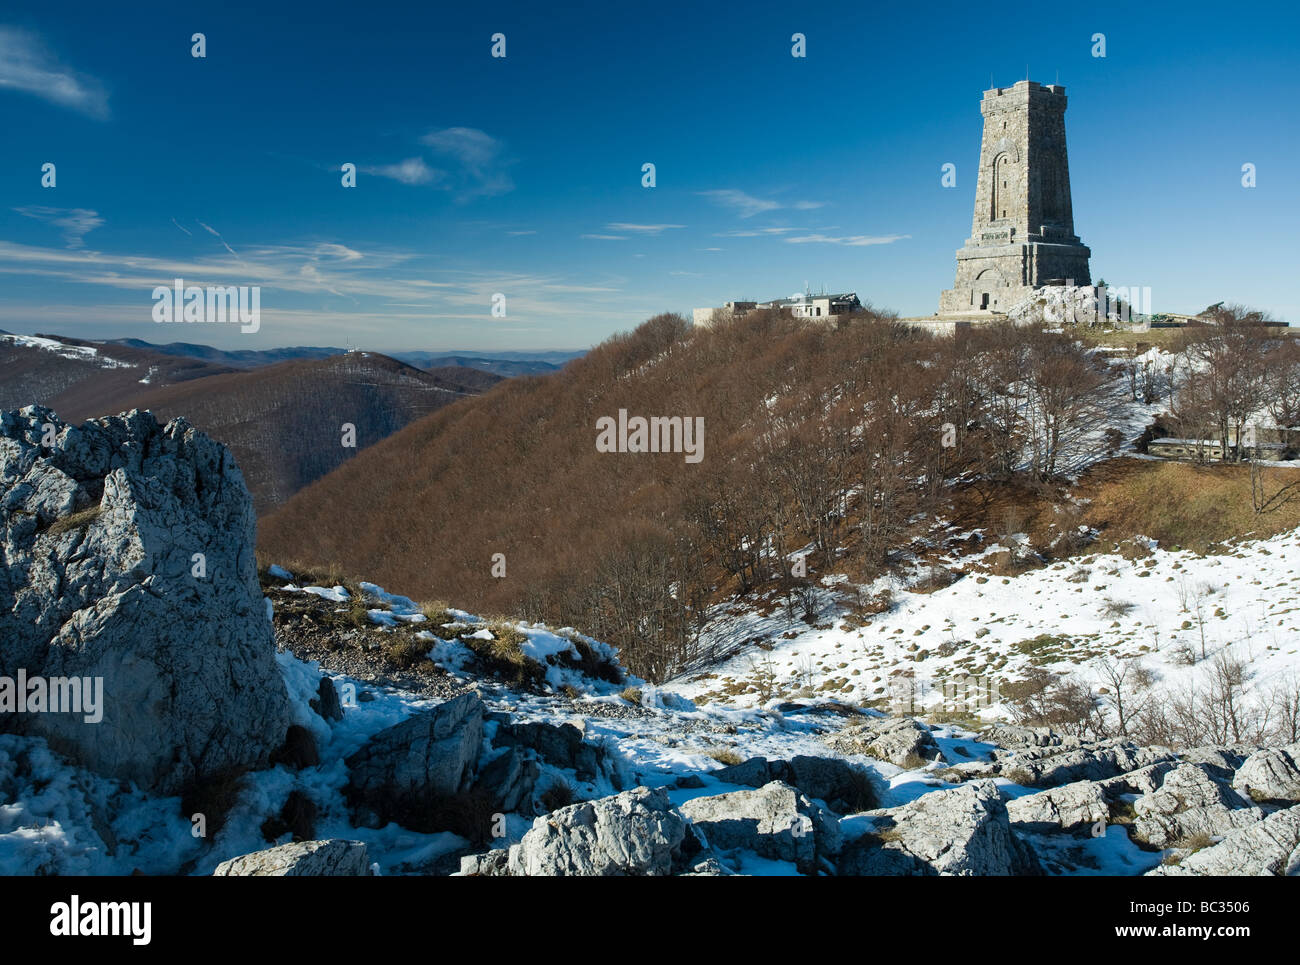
(522, 175)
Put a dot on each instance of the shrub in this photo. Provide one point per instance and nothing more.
(595, 665)
(632, 695)
(1114, 609)
(407, 652)
(557, 796)
(504, 657)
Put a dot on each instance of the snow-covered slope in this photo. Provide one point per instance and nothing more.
(56, 818)
(1066, 617)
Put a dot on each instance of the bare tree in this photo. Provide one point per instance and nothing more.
(1225, 380)
(1128, 691)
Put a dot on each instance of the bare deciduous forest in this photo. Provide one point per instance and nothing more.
(840, 442)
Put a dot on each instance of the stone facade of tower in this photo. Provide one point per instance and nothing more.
(1023, 233)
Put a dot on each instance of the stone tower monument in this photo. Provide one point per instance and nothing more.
(1023, 234)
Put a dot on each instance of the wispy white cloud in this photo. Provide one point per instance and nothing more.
(75, 223)
(26, 65)
(413, 170)
(604, 237)
(754, 232)
(182, 227)
(747, 205)
(642, 229)
(574, 289)
(852, 241)
(480, 158)
(380, 277)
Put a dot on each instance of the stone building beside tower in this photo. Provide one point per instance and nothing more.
(1022, 237)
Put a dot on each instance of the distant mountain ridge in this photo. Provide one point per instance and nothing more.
(239, 359)
(80, 379)
(286, 422)
(283, 420)
(506, 364)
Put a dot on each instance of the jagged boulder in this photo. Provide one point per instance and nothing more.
(486, 864)
(1191, 804)
(899, 740)
(331, 857)
(126, 556)
(775, 821)
(509, 780)
(326, 702)
(1270, 775)
(560, 745)
(633, 833)
(1072, 807)
(406, 772)
(961, 831)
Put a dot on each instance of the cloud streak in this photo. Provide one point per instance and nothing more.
(851, 241)
(642, 229)
(746, 205)
(26, 65)
(75, 223)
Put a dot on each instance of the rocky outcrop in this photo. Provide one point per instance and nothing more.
(1015, 735)
(302, 859)
(962, 831)
(1142, 781)
(844, 787)
(405, 772)
(326, 702)
(1071, 808)
(561, 746)
(127, 558)
(775, 822)
(1052, 765)
(635, 833)
(898, 740)
(1190, 805)
(1220, 762)
(1271, 847)
(509, 781)
(1270, 775)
